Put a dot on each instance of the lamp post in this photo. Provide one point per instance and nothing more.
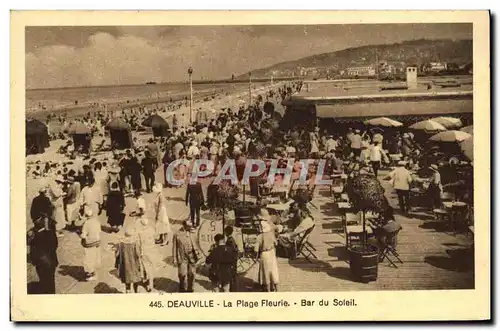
(250, 88)
(190, 73)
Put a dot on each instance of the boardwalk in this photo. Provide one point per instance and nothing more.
(433, 259)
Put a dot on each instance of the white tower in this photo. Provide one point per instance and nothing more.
(411, 77)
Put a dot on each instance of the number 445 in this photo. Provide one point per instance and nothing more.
(156, 304)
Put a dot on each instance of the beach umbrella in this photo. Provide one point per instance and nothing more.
(450, 136)
(78, 128)
(467, 147)
(155, 121)
(118, 124)
(448, 122)
(383, 121)
(469, 129)
(428, 126)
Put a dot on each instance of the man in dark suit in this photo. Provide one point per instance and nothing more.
(43, 245)
(41, 205)
(148, 169)
(194, 196)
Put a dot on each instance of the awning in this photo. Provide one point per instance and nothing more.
(388, 109)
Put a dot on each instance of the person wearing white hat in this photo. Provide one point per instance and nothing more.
(356, 143)
(193, 150)
(57, 195)
(265, 247)
(91, 241)
(162, 222)
(435, 189)
(146, 244)
(401, 181)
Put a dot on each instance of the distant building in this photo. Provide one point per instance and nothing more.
(434, 67)
(364, 71)
(386, 68)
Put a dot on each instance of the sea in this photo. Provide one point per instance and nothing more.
(73, 98)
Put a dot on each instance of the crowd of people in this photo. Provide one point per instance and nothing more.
(80, 193)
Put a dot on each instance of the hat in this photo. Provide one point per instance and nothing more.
(264, 215)
(70, 179)
(266, 227)
(402, 163)
(357, 131)
(157, 188)
(87, 211)
(434, 167)
(406, 135)
(42, 189)
(115, 168)
(59, 178)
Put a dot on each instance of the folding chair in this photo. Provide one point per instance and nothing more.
(304, 247)
(389, 248)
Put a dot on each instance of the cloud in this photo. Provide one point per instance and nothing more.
(83, 56)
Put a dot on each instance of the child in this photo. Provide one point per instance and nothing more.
(91, 241)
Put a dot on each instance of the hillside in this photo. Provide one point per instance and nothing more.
(400, 54)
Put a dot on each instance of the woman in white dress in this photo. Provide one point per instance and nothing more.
(162, 222)
(265, 247)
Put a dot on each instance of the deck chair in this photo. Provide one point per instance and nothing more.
(304, 247)
(389, 248)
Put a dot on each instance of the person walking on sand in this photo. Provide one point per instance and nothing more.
(91, 241)
(195, 199)
(43, 244)
(146, 245)
(265, 247)
(221, 260)
(162, 222)
(185, 256)
(57, 198)
(41, 205)
(115, 204)
(148, 170)
(128, 260)
(72, 200)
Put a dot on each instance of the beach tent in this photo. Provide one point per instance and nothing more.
(82, 136)
(121, 136)
(37, 137)
(158, 124)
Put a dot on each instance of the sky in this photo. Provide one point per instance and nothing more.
(116, 55)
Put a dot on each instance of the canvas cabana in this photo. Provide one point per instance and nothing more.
(121, 136)
(158, 125)
(37, 137)
(82, 136)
